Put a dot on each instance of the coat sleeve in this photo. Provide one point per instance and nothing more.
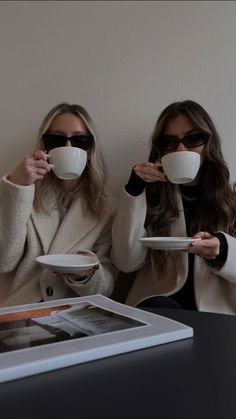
(103, 279)
(128, 254)
(16, 204)
(228, 270)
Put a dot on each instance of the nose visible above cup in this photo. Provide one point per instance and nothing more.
(181, 147)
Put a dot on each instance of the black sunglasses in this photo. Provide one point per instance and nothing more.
(170, 143)
(83, 141)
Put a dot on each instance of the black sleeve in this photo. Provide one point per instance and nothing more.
(135, 185)
(220, 259)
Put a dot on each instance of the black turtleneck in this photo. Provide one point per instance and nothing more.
(185, 296)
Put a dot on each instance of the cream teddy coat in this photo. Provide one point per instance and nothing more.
(25, 234)
(215, 290)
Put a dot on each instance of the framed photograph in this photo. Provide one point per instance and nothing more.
(35, 338)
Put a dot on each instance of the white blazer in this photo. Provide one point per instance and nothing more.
(25, 234)
(215, 290)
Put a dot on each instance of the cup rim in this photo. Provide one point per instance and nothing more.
(68, 148)
(178, 152)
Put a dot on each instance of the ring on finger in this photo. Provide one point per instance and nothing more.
(146, 177)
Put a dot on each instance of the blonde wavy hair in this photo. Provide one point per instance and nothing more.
(91, 185)
(216, 206)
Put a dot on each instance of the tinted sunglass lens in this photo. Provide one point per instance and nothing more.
(196, 140)
(81, 141)
(168, 144)
(53, 141)
(171, 145)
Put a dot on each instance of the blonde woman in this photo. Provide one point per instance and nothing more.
(41, 214)
(204, 276)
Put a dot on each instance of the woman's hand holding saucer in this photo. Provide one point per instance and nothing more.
(78, 277)
(31, 168)
(150, 172)
(82, 275)
(208, 247)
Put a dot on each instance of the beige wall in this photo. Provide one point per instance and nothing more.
(122, 60)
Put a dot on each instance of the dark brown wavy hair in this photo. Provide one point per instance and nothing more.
(216, 206)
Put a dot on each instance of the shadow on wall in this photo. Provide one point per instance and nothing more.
(122, 286)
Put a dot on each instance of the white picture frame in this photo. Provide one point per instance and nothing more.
(36, 338)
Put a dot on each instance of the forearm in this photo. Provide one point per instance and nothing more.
(220, 259)
(128, 254)
(101, 281)
(228, 270)
(135, 185)
(15, 208)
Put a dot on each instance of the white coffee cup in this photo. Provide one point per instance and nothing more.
(69, 162)
(181, 166)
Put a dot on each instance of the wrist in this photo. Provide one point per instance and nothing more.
(79, 279)
(135, 185)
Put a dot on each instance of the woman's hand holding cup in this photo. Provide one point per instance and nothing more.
(150, 172)
(31, 168)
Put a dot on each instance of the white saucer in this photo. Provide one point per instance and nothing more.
(168, 243)
(67, 263)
